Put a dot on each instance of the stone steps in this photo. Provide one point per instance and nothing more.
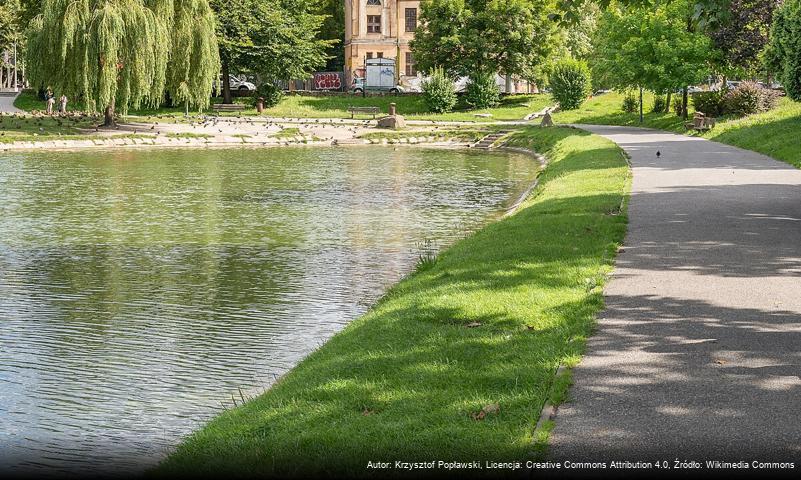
(488, 141)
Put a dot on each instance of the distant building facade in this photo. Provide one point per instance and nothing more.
(380, 29)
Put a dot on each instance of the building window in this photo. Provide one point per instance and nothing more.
(411, 19)
(369, 55)
(374, 2)
(411, 70)
(373, 23)
(380, 54)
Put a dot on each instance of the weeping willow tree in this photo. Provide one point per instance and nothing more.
(195, 59)
(121, 54)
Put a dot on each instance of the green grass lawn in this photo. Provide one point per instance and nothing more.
(606, 109)
(513, 107)
(774, 133)
(411, 106)
(487, 323)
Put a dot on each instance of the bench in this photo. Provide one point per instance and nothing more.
(366, 110)
(228, 107)
(701, 123)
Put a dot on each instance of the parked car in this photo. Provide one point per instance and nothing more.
(359, 87)
(241, 84)
(238, 83)
(772, 86)
(730, 85)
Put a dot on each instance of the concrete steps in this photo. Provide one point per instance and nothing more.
(490, 140)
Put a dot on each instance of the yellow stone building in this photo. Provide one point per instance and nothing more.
(380, 28)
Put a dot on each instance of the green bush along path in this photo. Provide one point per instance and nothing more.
(486, 324)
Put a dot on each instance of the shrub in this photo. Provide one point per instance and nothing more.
(271, 92)
(570, 83)
(770, 99)
(482, 91)
(660, 103)
(712, 104)
(630, 103)
(749, 98)
(678, 105)
(439, 92)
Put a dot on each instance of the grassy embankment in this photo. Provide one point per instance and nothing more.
(486, 324)
(774, 133)
(296, 106)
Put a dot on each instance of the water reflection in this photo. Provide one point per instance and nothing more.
(139, 291)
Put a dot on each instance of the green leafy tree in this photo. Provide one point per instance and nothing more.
(742, 34)
(28, 10)
(783, 54)
(276, 39)
(478, 37)
(288, 44)
(704, 12)
(333, 28)
(578, 35)
(118, 54)
(194, 60)
(11, 35)
(651, 47)
(10, 21)
(6, 25)
(235, 23)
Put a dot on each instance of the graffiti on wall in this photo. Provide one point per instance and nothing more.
(328, 81)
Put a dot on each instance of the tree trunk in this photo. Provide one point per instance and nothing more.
(109, 116)
(667, 102)
(685, 113)
(226, 83)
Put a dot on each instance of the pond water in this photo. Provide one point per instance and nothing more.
(141, 290)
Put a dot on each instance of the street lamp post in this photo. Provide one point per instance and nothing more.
(16, 85)
(641, 112)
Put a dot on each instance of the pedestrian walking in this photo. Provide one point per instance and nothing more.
(51, 101)
(62, 106)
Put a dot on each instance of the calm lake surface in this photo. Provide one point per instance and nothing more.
(141, 290)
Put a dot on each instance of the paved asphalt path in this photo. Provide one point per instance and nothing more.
(7, 104)
(697, 355)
